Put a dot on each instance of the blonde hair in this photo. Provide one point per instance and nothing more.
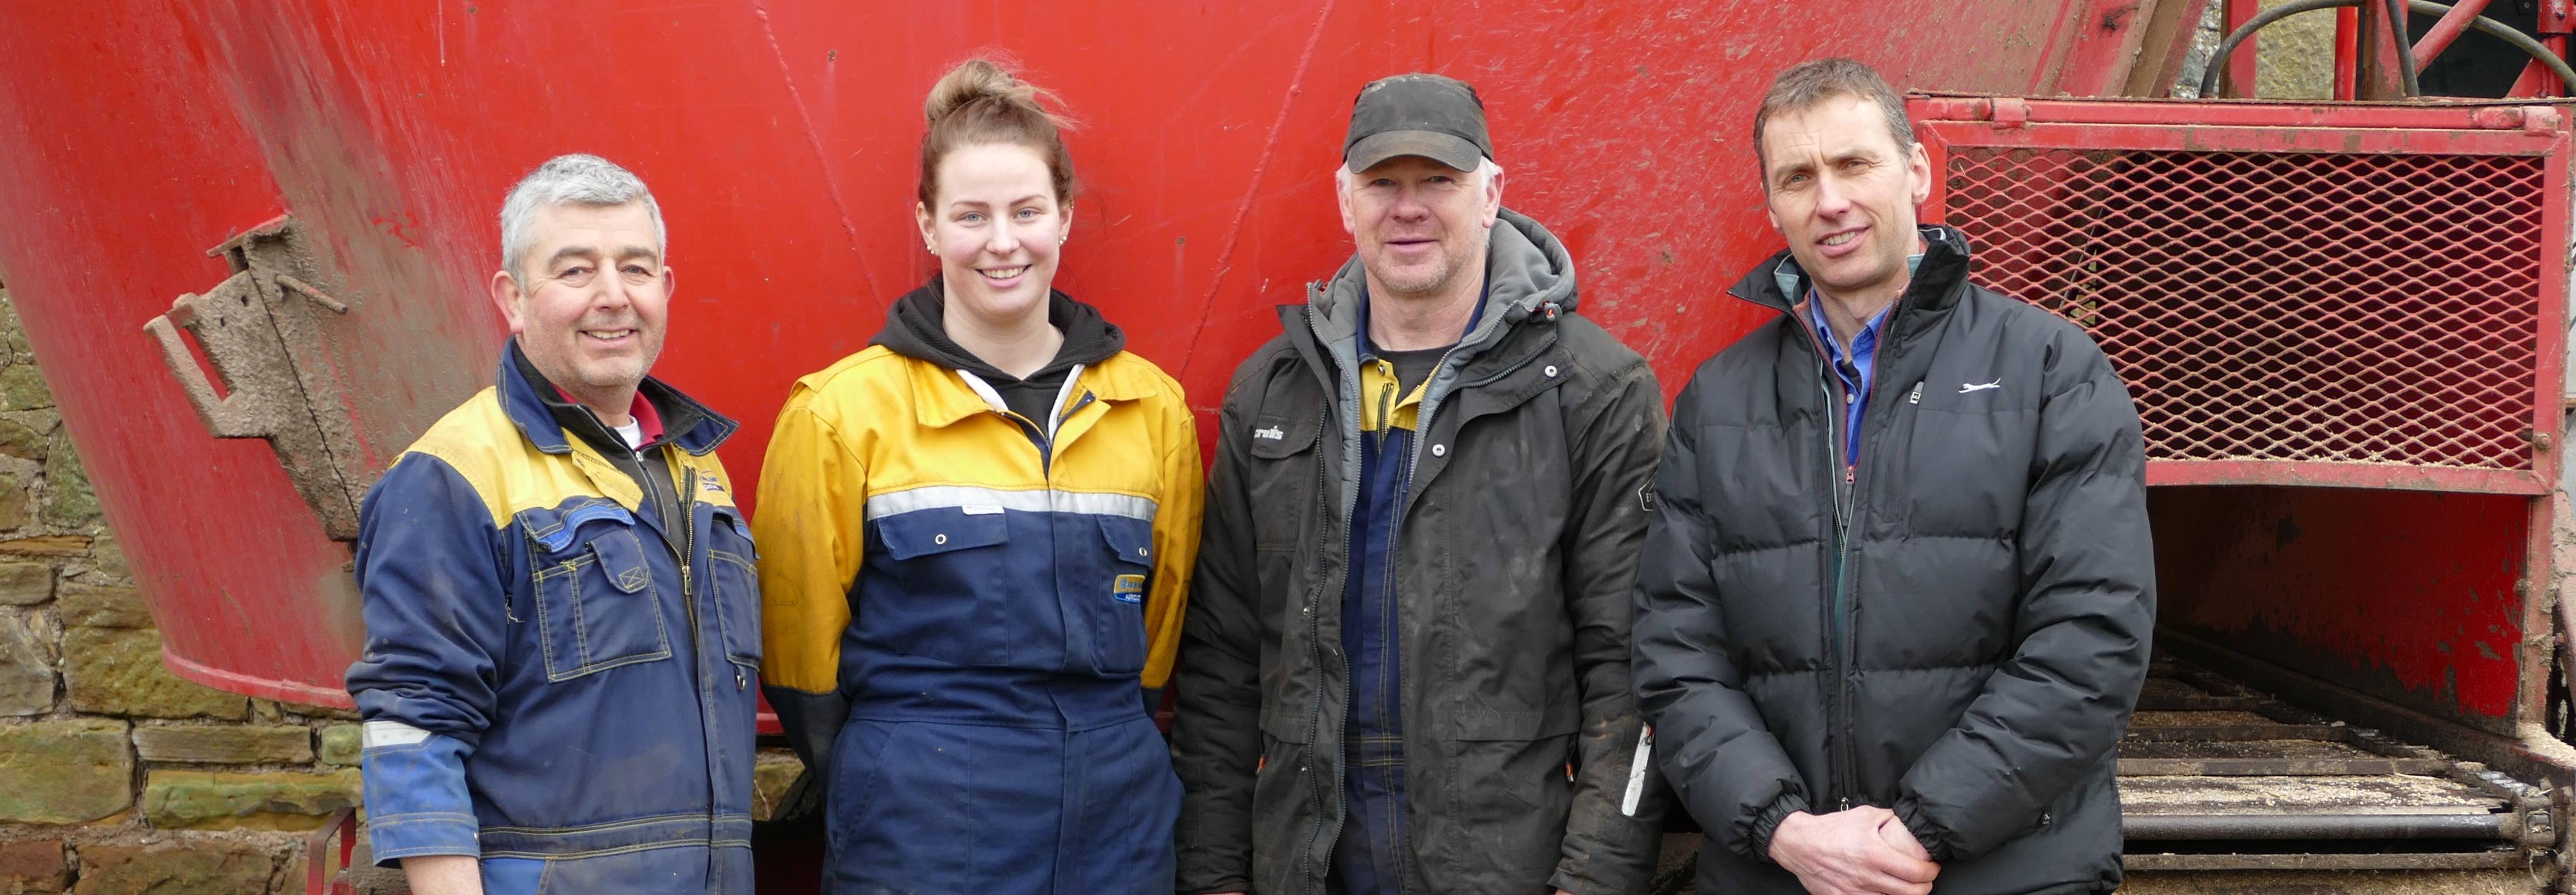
(980, 102)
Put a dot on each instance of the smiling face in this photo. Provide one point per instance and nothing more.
(1420, 225)
(592, 300)
(1843, 193)
(997, 225)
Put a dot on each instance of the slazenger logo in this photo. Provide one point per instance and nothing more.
(1273, 433)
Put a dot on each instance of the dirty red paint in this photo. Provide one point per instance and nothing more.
(780, 136)
(2410, 596)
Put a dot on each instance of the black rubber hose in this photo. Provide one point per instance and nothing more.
(2407, 76)
(2500, 30)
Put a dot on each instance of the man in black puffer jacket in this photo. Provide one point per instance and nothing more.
(1895, 603)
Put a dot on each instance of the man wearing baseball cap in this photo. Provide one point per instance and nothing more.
(1405, 664)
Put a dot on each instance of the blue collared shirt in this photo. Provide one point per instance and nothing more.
(1855, 374)
(1852, 367)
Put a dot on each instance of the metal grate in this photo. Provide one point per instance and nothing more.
(2305, 307)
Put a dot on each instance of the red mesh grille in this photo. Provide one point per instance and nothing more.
(2283, 307)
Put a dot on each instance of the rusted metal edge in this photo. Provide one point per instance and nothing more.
(2278, 767)
(2476, 860)
(2236, 733)
(2506, 826)
(2498, 750)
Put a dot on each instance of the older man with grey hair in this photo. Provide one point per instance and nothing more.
(562, 617)
(1405, 667)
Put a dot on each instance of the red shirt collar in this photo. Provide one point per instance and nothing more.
(649, 419)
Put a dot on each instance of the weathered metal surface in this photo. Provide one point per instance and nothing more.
(2274, 767)
(2474, 860)
(780, 137)
(256, 329)
(2413, 597)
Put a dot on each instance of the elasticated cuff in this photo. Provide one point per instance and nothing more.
(1768, 822)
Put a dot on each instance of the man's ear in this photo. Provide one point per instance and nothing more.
(507, 297)
(1493, 197)
(1343, 183)
(1919, 163)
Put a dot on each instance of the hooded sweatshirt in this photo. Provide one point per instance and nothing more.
(917, 328)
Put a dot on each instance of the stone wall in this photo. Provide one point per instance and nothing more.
(121, 778)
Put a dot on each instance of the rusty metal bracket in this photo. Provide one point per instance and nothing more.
(260, 328)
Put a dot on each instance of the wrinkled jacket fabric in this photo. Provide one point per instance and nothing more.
(966, 605)
(1979, 666)
(547, 683)
(1514, 561)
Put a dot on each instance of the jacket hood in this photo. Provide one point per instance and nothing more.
(915, 327)
(1527, 271)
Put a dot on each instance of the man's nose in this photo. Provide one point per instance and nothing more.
(1832, 198)
(614, 292)
(1409, 204)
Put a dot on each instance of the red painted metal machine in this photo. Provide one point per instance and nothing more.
(344, 162)
(2345, 325)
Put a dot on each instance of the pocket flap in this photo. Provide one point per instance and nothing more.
(1131, 540)
(1491, 724)
(556, 529)
(731, 517)
(1275, 436)
(621, 559)
(924, 532)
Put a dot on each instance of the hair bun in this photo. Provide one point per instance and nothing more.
(977, 80)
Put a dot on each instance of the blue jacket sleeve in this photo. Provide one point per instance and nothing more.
(431, 591)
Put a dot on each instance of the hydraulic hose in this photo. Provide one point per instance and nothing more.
(2406, 67)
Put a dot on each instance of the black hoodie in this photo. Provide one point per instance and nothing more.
(916, 327)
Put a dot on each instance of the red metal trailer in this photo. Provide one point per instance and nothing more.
(2345, 324)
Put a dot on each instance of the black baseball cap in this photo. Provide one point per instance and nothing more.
(1438, 118)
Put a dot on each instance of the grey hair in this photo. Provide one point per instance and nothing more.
(576, 179)
(1809, 83)
(1486, 171)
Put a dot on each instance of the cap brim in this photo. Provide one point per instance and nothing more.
(1446, 149)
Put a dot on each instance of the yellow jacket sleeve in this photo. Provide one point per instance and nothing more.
(1176, 538)
(813, 499)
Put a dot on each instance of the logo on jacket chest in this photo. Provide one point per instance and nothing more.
(1273, 433)
(1128, 589)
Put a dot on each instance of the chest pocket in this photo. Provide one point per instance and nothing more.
(598, 605)
(733, 579)
(1117, 612)
(941, 588)
(1284, 478)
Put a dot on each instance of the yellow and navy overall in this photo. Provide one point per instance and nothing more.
(557, 676)
(963, 606)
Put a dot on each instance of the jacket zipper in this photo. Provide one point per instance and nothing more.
(1839, 758)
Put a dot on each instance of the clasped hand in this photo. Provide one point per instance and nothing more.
(1856, 851)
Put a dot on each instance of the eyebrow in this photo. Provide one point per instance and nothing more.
(1023, 200)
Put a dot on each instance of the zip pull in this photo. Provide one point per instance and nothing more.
(1847, 804)
(1850, 473)
(1917, 396)
(738, 684)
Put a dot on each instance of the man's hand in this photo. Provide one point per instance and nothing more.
(444, 874)
(1848, 853)
(1902, 839)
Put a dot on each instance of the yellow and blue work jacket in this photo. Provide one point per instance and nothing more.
(933, 556)
(557, 672)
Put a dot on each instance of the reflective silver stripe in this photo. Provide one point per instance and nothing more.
(1039, 500)
(1637, 766)
(389, 733)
